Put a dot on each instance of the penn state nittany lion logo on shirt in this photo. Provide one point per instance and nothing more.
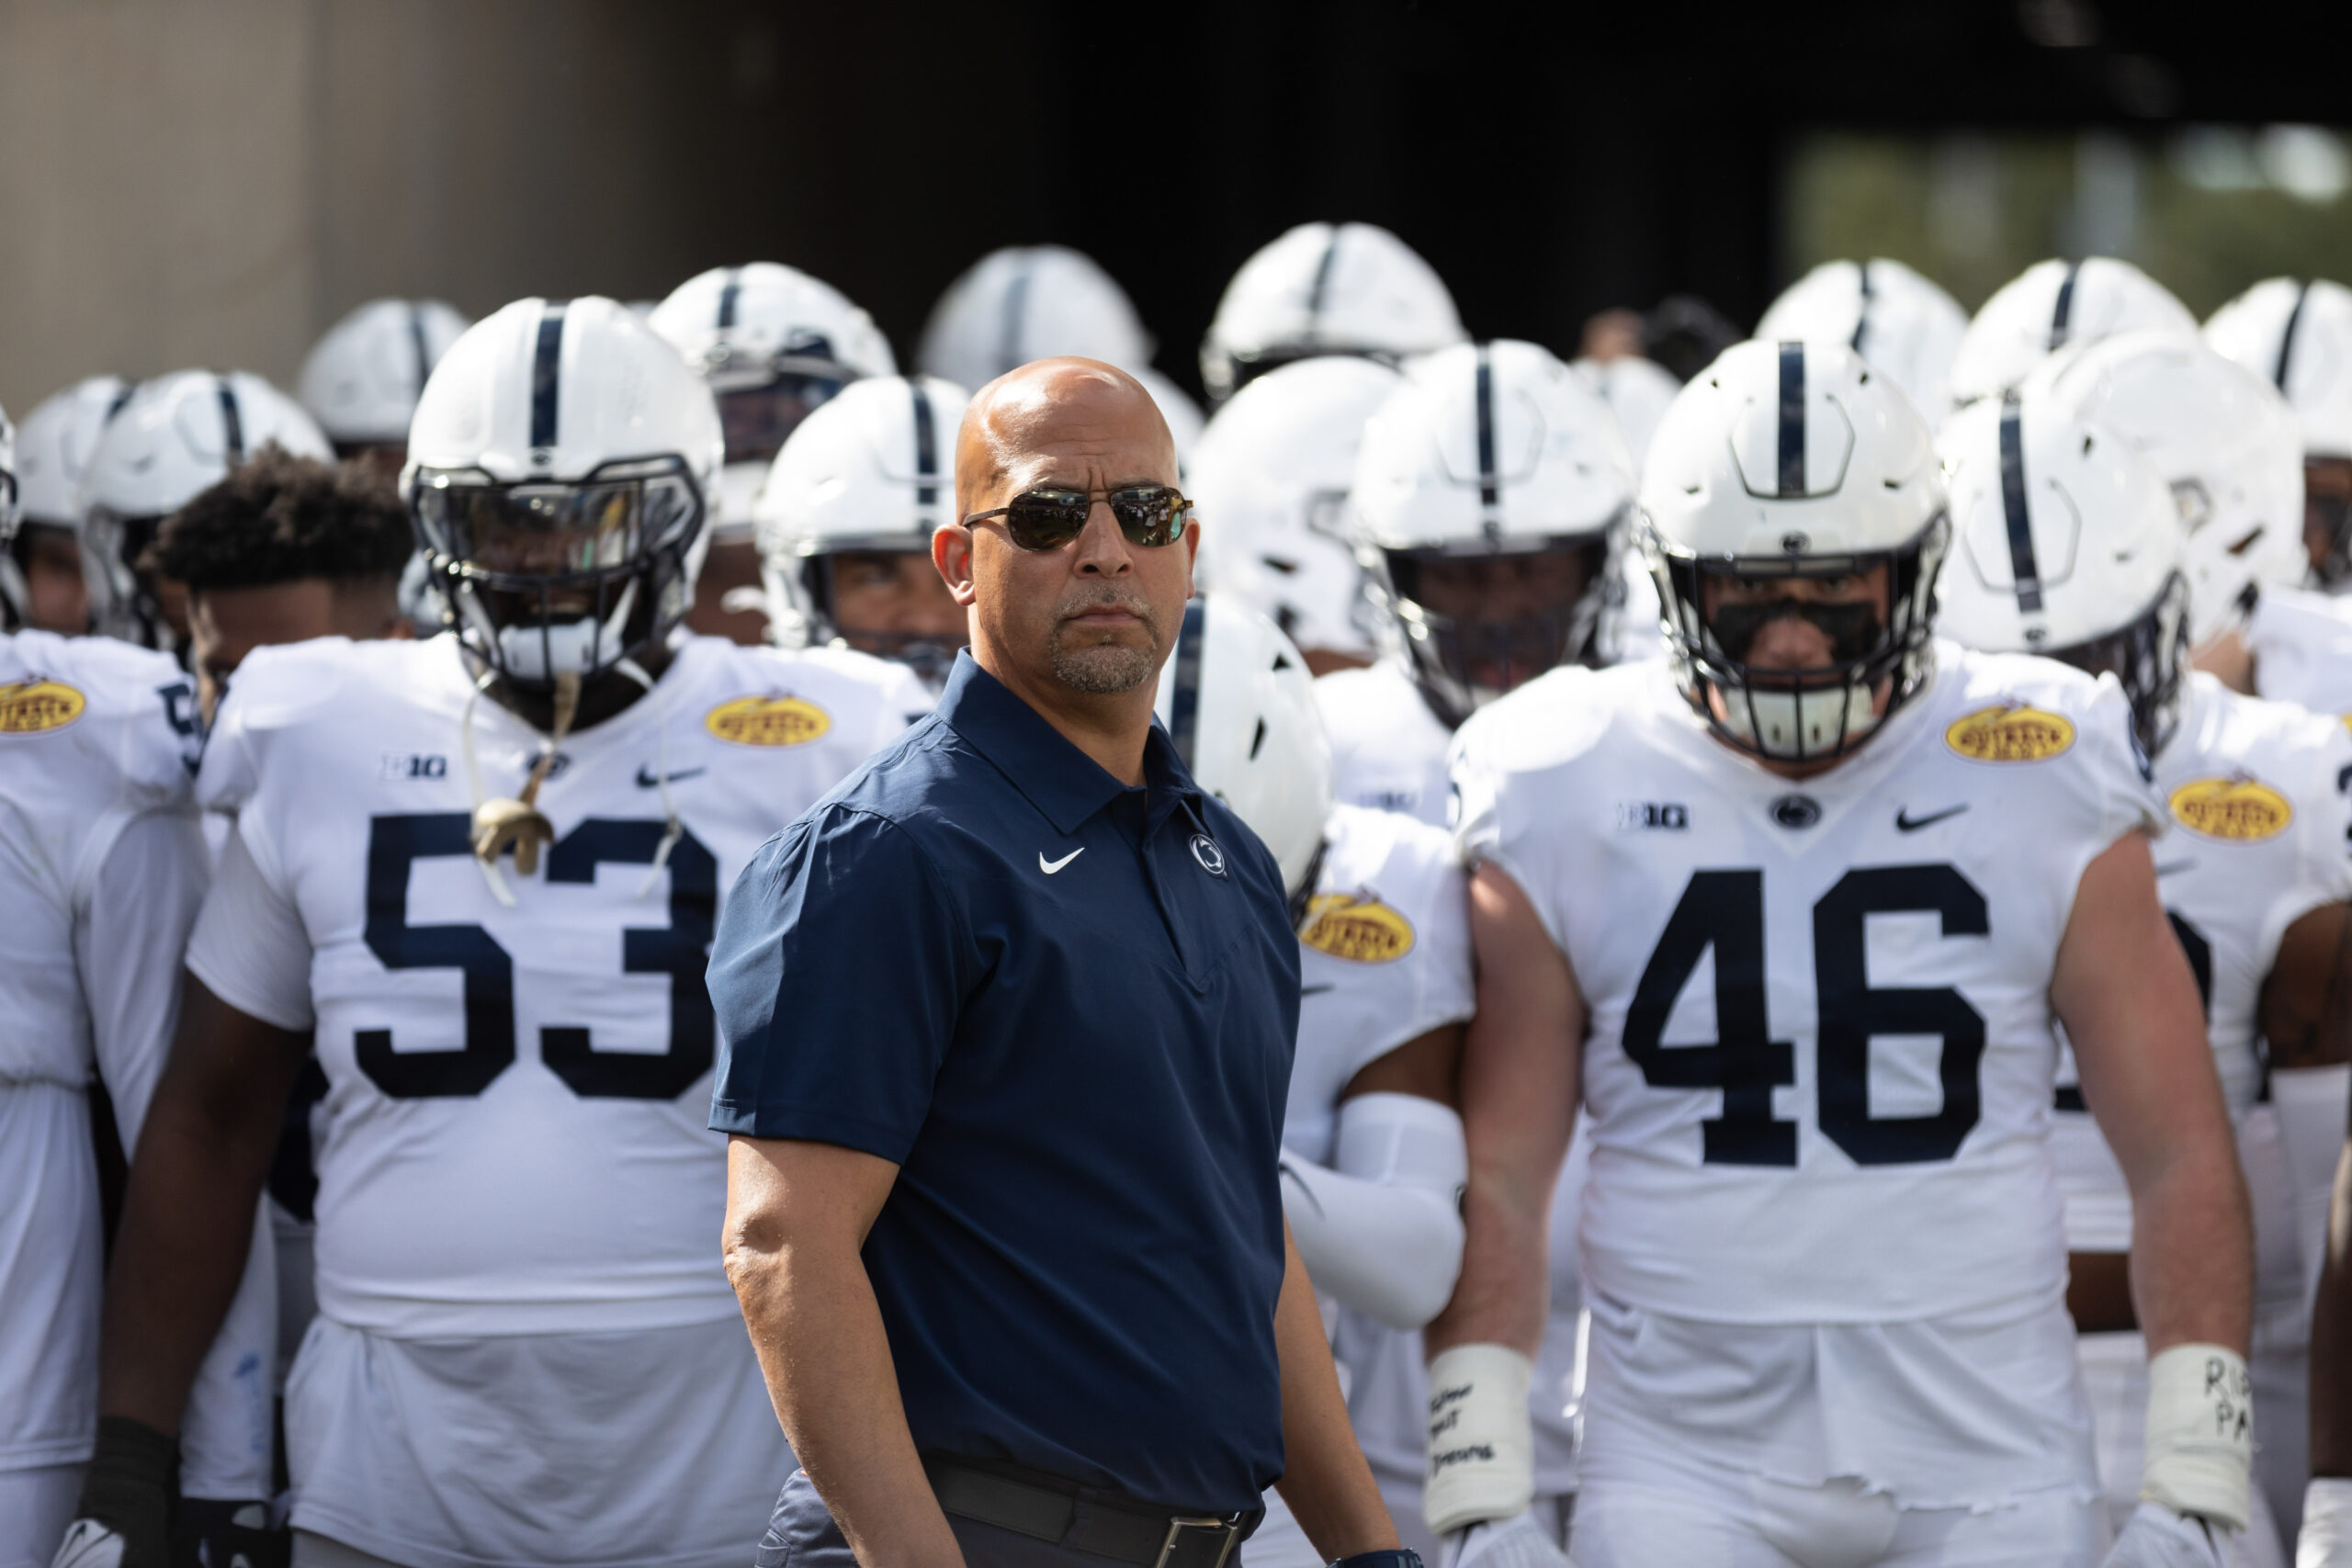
(2237, 806)
(1357, 926)
(768, 721)
(36, 707)
(2011, 732)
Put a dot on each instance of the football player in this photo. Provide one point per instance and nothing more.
(2048, 306)
(46, 591)
(362, 379)
(177, 435)
(101, 870)
(774, 342)
(1373, 1155)
(2297, 335)
(483, 869)
(1795, 915)
(1326, 289)
(2255, 883)
(1273, 470)
(845, 519)
(1905, 326)
(1027, 302)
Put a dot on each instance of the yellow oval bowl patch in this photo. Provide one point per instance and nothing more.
(1363, 930)
(29, 708)
(768, 721)
(2011, 734)
(2236, 808)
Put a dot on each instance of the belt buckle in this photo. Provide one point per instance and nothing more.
(1179, 1523)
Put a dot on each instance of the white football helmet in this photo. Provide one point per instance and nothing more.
(54, 444)
(1496, 456)
(2048, 305)
(1795, 459)
(774, 342)
(1272, 481)
(1185, 422)
(2298, 336)
(559, 471)
(1905, 326)
(1637, 391)
(2220, 437)
(362, 379)
(872, 469)
(178, 435)
(1326, 289)
(9, 500)
(1028, 302)
(1235, 698)
(2066, 544)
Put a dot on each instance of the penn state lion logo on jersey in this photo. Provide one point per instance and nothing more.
(2236, 806)
(1357, 926)
(38, 706)
(2011, 732)
(783, 721)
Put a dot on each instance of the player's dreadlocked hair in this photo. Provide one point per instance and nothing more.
(280, 518)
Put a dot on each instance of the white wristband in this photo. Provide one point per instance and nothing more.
(2200, 1434)
(1482, 1443)
(2326, 1537)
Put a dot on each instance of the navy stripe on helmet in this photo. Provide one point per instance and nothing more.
(423, 349)
(121, 396)
(547, 373)
(1791, 419)
(1321, 289)
(1863, 311)
(1489, 482)
(1184, 702)
(926, 444)
(731, 295)
(232, 421)
(1012, 317)
(2287, 338)
(2062, 314)
(2022, 564)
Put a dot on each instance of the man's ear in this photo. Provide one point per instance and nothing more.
(951, 552)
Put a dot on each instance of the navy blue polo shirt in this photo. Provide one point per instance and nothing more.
(1065, 1008)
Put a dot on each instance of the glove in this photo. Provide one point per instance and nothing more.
(214, 1534)
(124, 1519)
(1518, 1541)
(2158, 1537)
(2326, 1537)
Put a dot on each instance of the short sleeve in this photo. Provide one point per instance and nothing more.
(1477, 779)
(837, 975)
(250, 947)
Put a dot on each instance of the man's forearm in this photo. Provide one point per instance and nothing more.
(1325, 1479)
(188, 1221)
(1503, 1293)
(818, 1333)
(2331, 1381)
(2192, 1251)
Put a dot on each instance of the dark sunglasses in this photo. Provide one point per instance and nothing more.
(1047, 519)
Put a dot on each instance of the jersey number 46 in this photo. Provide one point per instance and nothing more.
(1725, 909)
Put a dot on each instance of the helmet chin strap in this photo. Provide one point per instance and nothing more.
(515, 825)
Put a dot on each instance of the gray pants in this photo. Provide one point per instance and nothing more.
(803, 1534)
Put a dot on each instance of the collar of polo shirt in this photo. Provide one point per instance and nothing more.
(1062, 782)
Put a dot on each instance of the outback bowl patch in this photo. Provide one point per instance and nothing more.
(2010, 733)
(1361, 929)
(30, 708)
(768, 721)
(2240, 808)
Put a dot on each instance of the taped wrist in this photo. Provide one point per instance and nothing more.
(2326, 1537)
(2200, 1434)
(1481, 1443)
(134, 1471)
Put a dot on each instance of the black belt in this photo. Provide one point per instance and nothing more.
(1048, 1508)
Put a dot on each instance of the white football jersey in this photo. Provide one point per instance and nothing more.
(101, 869)
(1819, 1011)
(1388, 748)
(515, 1124)
(2302, 643)
(1384, 959)
(2256, 793)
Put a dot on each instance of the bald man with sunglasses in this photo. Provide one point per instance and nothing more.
(1007, 1021)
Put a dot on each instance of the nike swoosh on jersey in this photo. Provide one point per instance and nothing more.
(2170, 867)
(1318, 991)
(1907, 823)
(1051, 866)
(648, 779)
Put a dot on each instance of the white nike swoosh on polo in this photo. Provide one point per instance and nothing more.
(1051, 866)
